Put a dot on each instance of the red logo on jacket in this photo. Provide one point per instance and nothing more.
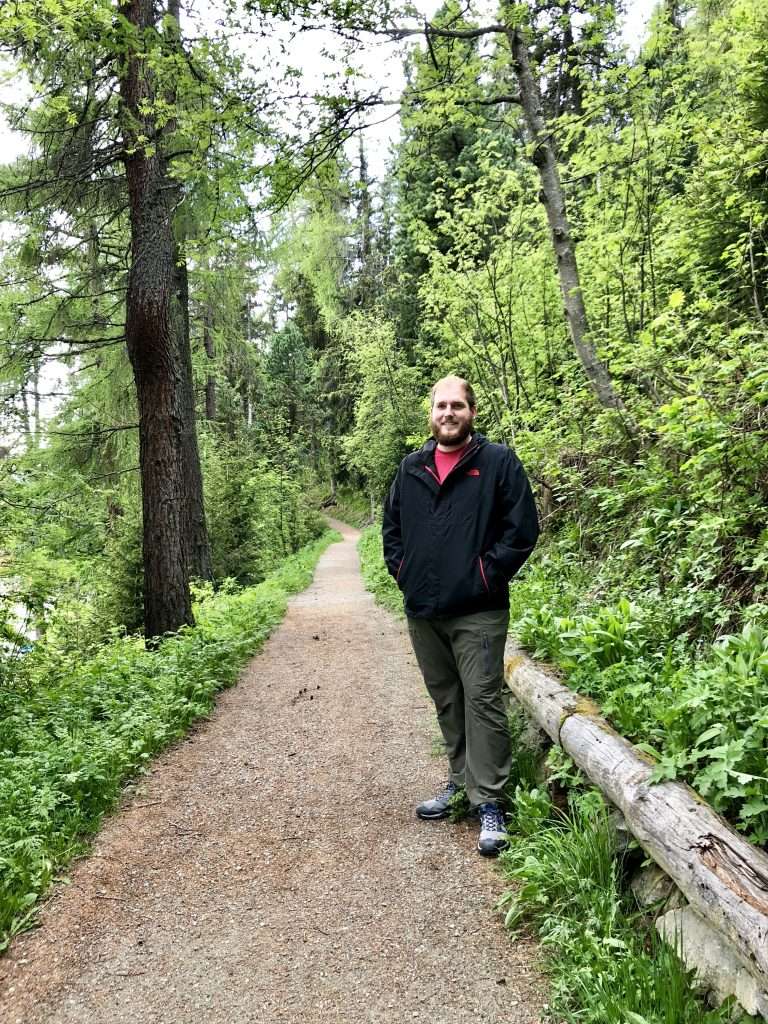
(473, 472)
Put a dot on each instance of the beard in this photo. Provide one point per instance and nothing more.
(452, 437)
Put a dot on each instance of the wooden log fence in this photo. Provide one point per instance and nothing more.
(722, 876)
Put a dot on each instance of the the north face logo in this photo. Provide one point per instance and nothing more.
(473, 472)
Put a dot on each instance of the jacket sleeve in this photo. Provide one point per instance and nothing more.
(391, 529)
(519, 523)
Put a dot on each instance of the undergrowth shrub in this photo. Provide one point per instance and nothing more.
(72, 732)
(698, 708)
(375, 574)
(256, 506)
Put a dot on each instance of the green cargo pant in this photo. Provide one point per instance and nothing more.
(462, 661)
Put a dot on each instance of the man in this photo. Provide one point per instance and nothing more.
(459, 522)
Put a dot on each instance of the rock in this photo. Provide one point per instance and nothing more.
(618, 823)
(655, 889)
(719, 972)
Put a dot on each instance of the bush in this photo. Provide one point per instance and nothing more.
(375, 573)
(352, 507)
(256, 507)
(698, 708)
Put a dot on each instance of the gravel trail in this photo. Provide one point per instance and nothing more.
(271, 868)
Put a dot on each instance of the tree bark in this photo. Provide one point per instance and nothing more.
(196, 529)
(35, 382)
(158, 347)
(210, 350)
(552, 197)
(365, 280)
(26, 421)
(721, 875)
(196, 532)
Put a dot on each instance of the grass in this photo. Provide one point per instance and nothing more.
(375, 574)
(72, 734)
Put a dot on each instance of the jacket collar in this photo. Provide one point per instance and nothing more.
(427, 451)
(424, 466)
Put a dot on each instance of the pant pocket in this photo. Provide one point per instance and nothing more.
(487, 667)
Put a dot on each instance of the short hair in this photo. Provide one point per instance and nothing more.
(469, 393)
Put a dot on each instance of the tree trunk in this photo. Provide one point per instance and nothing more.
(721, 875)
(30, 419)
(158, 347)
(672, 7)
(35, 382)
(26, 422)
(196, 532)
(210, 350)
(554, 203)
(366, 277)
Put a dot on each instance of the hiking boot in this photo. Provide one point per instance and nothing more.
(439, 806)
(493, 833)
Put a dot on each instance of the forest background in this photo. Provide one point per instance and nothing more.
(250, 324)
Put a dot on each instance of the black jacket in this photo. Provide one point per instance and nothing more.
(453, 548)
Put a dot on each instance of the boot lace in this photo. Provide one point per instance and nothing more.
(491, 819)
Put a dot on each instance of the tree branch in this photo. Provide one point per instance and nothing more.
(446, 33)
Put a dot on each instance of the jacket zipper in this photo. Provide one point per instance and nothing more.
(465, 456)
(482, 573)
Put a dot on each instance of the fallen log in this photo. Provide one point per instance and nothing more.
(721, 875)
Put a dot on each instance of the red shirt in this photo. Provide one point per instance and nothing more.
(445, 461)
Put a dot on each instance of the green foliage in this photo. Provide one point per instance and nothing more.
(698, 708)
(651, 588)
(375, 573)
(316, 273)
(72, 730)
(459, 803)
(72, 551)
(351, 507)
(256, 506)
(438, 127)
(650, 591)
(487, 299)
(389, 405)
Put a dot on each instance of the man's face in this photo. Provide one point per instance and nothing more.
(451, 416)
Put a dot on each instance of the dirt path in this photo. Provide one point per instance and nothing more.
(271, 867)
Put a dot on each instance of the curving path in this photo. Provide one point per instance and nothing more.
(270, 868)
